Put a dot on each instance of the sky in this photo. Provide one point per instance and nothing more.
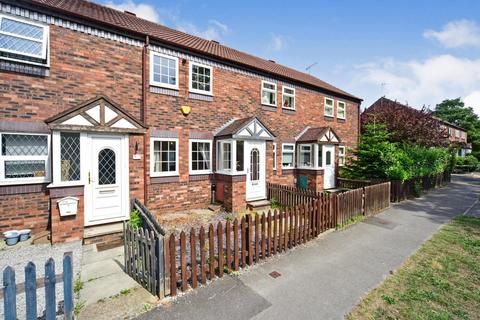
(417, 52)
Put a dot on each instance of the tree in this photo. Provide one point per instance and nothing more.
(455, 111)
(374, 156)
(406, 124)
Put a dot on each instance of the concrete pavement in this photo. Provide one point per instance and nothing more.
(327, 277)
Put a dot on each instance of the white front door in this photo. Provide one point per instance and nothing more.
(255, 163)
(106, 192)
(328, 166)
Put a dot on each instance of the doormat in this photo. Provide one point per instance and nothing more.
(109, 245)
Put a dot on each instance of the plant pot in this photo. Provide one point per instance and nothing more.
(24, 234)
(11, 237)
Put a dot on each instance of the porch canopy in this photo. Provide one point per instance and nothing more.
(250, 128)
(99, 114)
(320, 135)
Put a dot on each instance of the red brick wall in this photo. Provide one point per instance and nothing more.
(67, 228)
(24, 211)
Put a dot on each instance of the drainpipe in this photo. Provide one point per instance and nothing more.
(145, 112)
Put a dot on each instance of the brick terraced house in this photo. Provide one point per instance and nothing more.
(100, 106)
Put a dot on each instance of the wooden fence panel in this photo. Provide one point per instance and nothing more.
(289, 196)
(348, 205)
(30, 286)
(377, 198)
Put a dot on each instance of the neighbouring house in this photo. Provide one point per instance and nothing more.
(100, 107)
(457, 136)
(429, 129)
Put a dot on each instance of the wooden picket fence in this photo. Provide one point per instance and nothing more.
(11, 289)
(350, 204)
(345, 183)
(144, 258)
(290, 196)
(200, 256)
(402, 190)
(377, 198)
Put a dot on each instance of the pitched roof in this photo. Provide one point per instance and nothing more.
(319, 134)
(128, 22)
(385, 102)
(251, 127)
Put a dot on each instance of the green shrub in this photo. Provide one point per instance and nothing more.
(274, 204)
(136, 219)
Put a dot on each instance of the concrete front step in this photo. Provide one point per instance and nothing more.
(103, 233)
(258, 205)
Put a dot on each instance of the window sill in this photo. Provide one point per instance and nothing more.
(328, 118)
(163, 90)
(199, 173)
(21, 183)
(24, 68)
(200, 96)
(288, 110)
(164, 179)
(66, 184)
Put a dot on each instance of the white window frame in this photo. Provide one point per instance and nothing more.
(312, 155)
(56, 161)
(274, 154)
(219, 152)
(161, 84)
(457, 133)
(325, 107)
(45, 42)
(342, 154)
(33, 180)
(152, 158)
(289, 95)
(293, 153)
(270, 91)
(339, 103)
(190, 88)
(190, 159)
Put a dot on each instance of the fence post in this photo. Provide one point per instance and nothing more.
(31, 291)
(9, 294)
(50, 299)
(68, 286)
(161, 266)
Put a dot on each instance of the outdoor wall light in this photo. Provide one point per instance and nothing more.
(185, 110)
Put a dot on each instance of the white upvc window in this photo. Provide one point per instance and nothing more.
(224, 156)
(305, 156)
(288, 98)
(341, 155)
(24, 158)
(163, 157)
(269, 93)
(274, 156)
(69, 157)
(23, 40)
(288, 155)
(163, 70)
(201, 78)
(457, 133)
(341, 110)
(200, 156)
(328, 107)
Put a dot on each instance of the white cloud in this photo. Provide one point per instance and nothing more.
(425, 82)
(455, 34)
(278, 42)
(214, 30)
(473, 100)
(142, 10)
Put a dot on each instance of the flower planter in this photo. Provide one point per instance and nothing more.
(11, 237)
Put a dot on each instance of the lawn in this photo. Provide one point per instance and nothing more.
(440, 281)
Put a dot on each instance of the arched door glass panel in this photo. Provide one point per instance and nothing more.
(106, 167)
(254, 165)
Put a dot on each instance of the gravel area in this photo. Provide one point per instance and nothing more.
(38, 254)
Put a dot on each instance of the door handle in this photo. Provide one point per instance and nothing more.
(89, 178)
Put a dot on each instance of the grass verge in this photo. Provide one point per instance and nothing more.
(440, 281)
